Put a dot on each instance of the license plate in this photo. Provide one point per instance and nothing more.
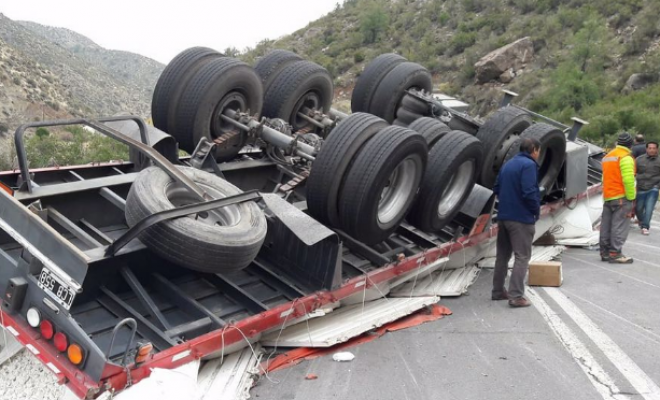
(52, 285)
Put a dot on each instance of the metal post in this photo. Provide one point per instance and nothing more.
(508, 98)
(577, 125)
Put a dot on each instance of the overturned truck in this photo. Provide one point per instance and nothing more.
(284, 206)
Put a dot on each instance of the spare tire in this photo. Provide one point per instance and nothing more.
(431, 129)
(553, 151)
(381, 184)
(224, 240)
(332, 162)
(387, 96)
(370, 78)
(269, 66)
(302, 84)
(452, 170)
(172, 81)
(497, 134)
(221, 84)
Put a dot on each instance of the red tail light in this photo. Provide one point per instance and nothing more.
(61, 342)
(47, 329)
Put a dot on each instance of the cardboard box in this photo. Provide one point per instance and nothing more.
(545, 273)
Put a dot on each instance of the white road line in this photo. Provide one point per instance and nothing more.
(613, 271)
(638, 378)
(644, 331)
(603, 383)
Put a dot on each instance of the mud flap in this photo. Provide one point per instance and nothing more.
(300, 247)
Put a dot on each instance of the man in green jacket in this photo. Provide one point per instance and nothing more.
(619, 195)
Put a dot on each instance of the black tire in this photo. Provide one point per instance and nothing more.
(362, 213)
(406, 116)
(269, 66)
(415, 105)
(452, 170)
(431, 129)
(172, 81)
(196, 243)
(332, 162)
(220, 84)
(497, 134)
(392, 88)
(300, 84)
(553, 151)
(370, 78)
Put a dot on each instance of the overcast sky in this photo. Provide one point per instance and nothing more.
(161, 29)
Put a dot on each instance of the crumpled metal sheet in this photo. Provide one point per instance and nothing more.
(447, 283)
(346, 322)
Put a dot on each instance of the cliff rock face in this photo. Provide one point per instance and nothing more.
(52, 73)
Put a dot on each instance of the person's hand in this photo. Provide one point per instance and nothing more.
(631, 214)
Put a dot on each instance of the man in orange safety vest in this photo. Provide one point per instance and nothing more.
(619, 196)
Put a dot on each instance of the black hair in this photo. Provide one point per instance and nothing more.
(651, 142)
(529, 145)
(639, 138)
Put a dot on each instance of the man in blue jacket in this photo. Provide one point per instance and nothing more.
(518, 210)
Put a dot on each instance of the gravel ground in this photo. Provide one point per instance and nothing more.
(23, 377)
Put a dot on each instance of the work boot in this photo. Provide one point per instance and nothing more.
(503, 296)
(618, 258)
(519, 302)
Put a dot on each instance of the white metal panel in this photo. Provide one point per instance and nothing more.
(347, 322)
(449, 283)
(419, 272)
(586, 241)
(231, 378)
(539, 253)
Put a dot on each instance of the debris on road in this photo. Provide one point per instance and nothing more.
(344, 356)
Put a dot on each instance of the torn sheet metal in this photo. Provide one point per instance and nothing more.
(347, 322)
(589, 240)
(420, 272)
(231, 378)
(165, 384)
(448, 283)
(539, 254)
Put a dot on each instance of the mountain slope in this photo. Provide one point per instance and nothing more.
(585, 51)
(49, 73)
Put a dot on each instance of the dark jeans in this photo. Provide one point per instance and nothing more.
(512, 237)
(614, 225)
(646, 201)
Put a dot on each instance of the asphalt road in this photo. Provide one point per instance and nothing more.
(596, 337)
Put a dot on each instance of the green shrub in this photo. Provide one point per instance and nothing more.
(42, 132)
(461, 41)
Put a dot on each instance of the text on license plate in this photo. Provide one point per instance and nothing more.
(53, 285)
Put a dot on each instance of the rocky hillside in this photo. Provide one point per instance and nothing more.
(48, 73)
(596, 59)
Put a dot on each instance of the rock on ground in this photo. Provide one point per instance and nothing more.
(508, 59)
(639, 81)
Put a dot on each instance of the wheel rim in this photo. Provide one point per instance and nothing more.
(397, 191)
(501, 152)
(234, 101)
(455, 190)
(311, 101)
(227, 216)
